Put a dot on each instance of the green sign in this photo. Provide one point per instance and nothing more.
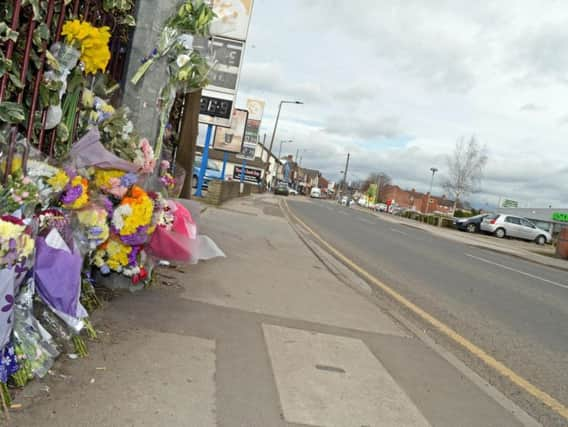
(560, 216)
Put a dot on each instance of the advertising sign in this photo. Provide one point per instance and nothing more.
(218, 98)
(255, 108)
(251, 175)
(507, 203)
(233, 18)
(231, 139)
(560, 216)
(226, 49)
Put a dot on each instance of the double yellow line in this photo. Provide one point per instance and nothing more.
(489, 360)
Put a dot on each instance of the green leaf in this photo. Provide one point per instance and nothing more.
(35, 7)
(6, 33)
(62, 132)
(15, 81)
(11, 112)
(129, 20)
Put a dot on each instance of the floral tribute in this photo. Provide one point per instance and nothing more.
(100, 211)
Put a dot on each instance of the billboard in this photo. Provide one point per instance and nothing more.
(255, 108)
(233, 18)
(226, 49)
(218, 97)
(253, 176)
(231, 139)
(508, 203)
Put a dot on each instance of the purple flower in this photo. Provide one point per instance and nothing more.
(96, 230)
(133, 255)
(108, 206)
(128, 179)
(105, 269)
(138, 238)
(72, 194)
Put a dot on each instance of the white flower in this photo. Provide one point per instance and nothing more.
(182, 60)
(119, 214)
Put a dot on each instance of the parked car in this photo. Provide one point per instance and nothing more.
(212, 172)
(471, 224)
(292, 192)
(381, 207)
(315, 193)
(513, 226)
(282, 189)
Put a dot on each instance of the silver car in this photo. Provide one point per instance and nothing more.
(514, 226)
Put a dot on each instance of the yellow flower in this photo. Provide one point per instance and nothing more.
(88, 98)
(107, 108)
(9, 230)
(16, 164)
(103, 177)
(92, 41)
(142, 210)
(58, 181)
(83, 199)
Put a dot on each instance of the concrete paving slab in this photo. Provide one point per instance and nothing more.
(149, 379)
(334, 381)
(303, 289)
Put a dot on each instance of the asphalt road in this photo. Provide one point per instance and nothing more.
(515, 310)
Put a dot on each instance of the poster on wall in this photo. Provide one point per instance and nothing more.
(254, 176)
(231, 139)
(255, 108)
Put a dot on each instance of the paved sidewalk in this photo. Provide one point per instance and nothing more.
(520, 249)
(274, 335)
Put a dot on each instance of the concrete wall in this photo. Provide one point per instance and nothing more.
(142, 98)
(222, 191)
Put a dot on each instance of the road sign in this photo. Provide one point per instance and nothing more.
(231, 139)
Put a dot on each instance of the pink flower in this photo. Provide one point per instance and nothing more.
(164, 165)
(26, 180)
(25, 194)
(17, 199)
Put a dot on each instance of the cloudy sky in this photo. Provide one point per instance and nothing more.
(397, 83)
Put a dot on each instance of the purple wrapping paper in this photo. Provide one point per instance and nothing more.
(89, 151)
(58, 277)
(7, 290)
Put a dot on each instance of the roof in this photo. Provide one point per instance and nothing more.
(540, 214)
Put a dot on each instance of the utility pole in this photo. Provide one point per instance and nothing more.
(345, 171)
(433, 170)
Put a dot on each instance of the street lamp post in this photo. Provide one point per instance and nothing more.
(433, 170)
(280, 149)
(274, 132)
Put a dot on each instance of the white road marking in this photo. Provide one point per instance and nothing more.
(399, 231)
(524, 273)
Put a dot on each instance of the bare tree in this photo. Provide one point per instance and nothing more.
(465, 169)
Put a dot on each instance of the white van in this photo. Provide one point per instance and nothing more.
(315, 193)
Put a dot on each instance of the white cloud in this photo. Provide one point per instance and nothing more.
(396, 83)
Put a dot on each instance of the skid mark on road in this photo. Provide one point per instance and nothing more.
(524, 273)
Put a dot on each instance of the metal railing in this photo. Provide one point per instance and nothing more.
(31, 63)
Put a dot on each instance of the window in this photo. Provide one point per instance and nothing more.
(526, 223)
(513, 220)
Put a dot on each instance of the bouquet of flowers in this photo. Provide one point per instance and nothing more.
(18, 192)
(131, 220)
(91, 41)
(175, 233)
(74, 188)
(114, 182)
(93, 226)
(193, 18)
(114, 255)
(16, 243)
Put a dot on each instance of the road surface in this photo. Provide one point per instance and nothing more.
(514, 310)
